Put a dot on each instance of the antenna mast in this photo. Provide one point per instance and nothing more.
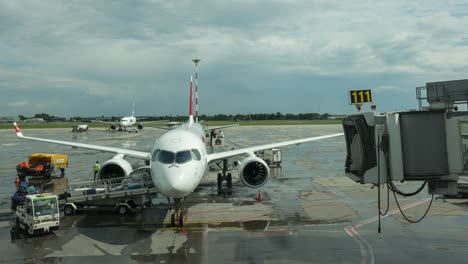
(196, 61)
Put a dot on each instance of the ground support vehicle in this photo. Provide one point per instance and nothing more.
(123, 195)
(39, 215)
(79, 128)
(272, 157)
(43, 164)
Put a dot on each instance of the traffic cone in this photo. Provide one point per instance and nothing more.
(259, 196)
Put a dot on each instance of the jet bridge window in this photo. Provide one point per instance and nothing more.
(183, 156)
(196, 154)
(166, 157)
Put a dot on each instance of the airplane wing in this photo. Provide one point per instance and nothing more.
(160, 127)
(105, 122)
(236, 152)
(219, 127)
(126, 152)
(151, 122)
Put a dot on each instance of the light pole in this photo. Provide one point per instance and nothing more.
(196, 61)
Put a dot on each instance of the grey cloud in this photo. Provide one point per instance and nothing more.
(112, 52)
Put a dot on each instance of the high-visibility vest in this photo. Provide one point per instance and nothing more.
(96, 167)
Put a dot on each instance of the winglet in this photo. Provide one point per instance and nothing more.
(18, 130)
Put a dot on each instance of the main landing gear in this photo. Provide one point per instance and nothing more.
(177, 217)
(224, 176)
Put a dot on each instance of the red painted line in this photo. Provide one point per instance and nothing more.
(366, 250)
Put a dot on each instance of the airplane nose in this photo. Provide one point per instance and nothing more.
(175, 181)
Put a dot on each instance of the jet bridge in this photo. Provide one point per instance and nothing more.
(429, 145)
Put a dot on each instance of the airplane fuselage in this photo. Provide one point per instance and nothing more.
(127, 121)
(179, 160)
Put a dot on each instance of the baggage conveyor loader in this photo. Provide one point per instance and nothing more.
(123, 195)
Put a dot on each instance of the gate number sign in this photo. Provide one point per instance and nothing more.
(360, 96)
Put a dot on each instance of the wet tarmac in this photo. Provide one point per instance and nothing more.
(310, 213)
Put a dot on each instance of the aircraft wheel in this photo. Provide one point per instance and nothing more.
(229, 180)
(220, 183)
(173, 220)
(181, 220)
(68, 209)
(122, 210)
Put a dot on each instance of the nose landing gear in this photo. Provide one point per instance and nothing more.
(177, 217)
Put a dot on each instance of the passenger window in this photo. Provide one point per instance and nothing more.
(166, 157)
(196, 154)
(183, 156)
(154, 157)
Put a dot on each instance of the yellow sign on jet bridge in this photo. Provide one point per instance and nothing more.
(360, 96)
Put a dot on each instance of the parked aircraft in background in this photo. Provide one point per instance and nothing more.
(179, 160)
(128, 121)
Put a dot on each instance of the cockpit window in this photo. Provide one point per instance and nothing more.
(183, 156)
(154, 157)
(196, 154)
(166, 157)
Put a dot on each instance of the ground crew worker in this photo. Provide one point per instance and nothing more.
(96, 169)
(212, 136)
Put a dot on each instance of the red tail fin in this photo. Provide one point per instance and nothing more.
(191, 98)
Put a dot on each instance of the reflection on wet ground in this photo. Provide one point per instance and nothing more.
(310, 213)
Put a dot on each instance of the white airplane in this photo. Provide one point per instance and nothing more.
(179, 160)
(128, 121)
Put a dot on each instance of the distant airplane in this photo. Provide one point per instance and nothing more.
(172, 124)
(128, 121)
(179, 160)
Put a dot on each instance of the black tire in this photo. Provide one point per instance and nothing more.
(220, 181)
(229, 180)
(181, 220)
(122, 209)
(68, 209)
(172, 220)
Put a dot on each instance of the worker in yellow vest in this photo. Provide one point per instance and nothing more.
(96, 169)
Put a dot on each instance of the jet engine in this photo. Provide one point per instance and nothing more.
(140, 126)
(254, 172)
(116, 167)
(113, 127)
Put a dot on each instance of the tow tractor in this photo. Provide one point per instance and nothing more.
(39, 215)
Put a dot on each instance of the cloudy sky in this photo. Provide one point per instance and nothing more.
(92, 58)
